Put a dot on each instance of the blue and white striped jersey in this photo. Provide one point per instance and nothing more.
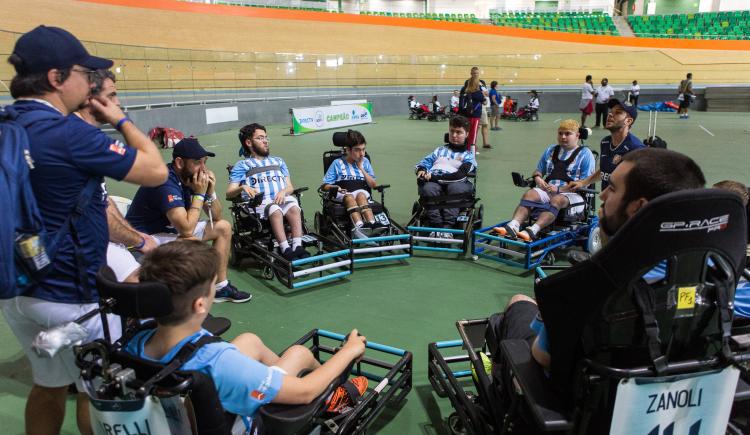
(268, 175)
(446, 161)
(341, 170)
(582, 167)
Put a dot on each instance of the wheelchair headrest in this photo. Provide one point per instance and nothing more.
(700, 219)
(339, 139)
(139, 300)
(683, 228)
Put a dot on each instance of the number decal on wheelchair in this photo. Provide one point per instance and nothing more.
(382, 218)
(462, 218)
(307, 238)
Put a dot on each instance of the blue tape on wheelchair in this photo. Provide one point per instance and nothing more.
(538, 207)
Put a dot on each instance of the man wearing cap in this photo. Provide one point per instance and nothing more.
(70, 161)
(173, 210)
(620, 120)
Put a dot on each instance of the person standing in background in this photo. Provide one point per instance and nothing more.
(587, 100)
(635, 92)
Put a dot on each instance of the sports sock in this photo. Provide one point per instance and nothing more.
(284, 245)
(513, 225)
(221, 285)
(296, 242)
(358, 224)
(535, 228)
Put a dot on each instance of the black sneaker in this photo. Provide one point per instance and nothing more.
(230, 294)
(288, 254)
(300, 252)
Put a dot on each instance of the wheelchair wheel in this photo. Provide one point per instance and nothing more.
(478, 217)
(320, 223)
(267, 272)
(416, 208)
(236, 259)
(549, 259)
(455, 425)
(594, 242)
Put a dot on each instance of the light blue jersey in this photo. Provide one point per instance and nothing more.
(268, 175)
(243, 384)
(582, 167)
(341, 170)
(446, 161)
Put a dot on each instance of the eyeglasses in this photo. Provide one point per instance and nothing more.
(262, 138)
(89, 73)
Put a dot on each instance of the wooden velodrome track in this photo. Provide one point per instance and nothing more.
(160, 44)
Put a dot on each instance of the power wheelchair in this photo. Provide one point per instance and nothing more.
(568, 230)
(392, 244)
(252, 237)
(469, 219)
(132, 395)
(628, 356)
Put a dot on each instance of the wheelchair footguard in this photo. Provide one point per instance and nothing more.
(451, 365)
(458, 240)
(390, 371)
(489, 245)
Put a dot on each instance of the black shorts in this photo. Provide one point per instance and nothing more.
(517, 321)
(684, 104)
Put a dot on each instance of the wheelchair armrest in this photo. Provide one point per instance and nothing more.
(544, 404)
(216, 325)
(380, 188)
(520, 181)
(299, 190)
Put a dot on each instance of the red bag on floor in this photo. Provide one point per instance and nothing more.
(166, 137)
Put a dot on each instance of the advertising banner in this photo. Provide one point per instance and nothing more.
(309, 119)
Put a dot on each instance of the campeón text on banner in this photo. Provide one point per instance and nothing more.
(308, 119)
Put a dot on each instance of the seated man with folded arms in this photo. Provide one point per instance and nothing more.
(567, 161)
(173, 210)
(445, 172)
(246, 373)
(642, 175)
(263, 174)
(352, 176)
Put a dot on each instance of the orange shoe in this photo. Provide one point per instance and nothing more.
(505, 231)
(526, 235)
(347, 394)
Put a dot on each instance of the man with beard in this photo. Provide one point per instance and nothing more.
(263, 174)
(68, 162)
(641, 176)
(559, 164)
(444, 172)
(173, 210)
(122, 236)
(613, 147)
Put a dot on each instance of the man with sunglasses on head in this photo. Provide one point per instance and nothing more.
(70, 160)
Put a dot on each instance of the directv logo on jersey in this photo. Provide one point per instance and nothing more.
(350, 178)
(718, 223)
(268, 179)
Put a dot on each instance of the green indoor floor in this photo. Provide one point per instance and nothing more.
(404, 305)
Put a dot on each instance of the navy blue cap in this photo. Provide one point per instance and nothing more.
(46, 48)
(190, 148)
(627, 106)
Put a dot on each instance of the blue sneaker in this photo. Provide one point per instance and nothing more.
(230, 294)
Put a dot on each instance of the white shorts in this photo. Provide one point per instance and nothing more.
(484, 120)
(267, 207)
(162, 238)
(28, 316)
(340, 196)
(121, 261)
(573, 198)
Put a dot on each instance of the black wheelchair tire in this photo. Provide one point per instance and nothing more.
(320, 223)
(456, 425)
(267, 272)
(478, 217)
(416, 208)
(236, 259)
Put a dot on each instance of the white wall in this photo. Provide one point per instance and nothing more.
(734, 5)
(587, 5)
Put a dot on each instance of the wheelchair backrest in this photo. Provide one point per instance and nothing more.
(140, 301)
(597, 309)
(330, 156)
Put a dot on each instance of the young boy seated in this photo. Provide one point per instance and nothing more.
(246, 373)
(353, 177)
(559, 164)
(444, 172)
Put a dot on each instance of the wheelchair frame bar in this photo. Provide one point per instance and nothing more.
(448, 343)
(381, 258)
(438, 240)
(315, 269)
(315, 258)
(330, 277)
(431, 229)
(436, 249)
(369, 344)
(381, 239)
(379, 249)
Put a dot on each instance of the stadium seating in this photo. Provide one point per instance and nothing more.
(596, 22)
(453, 17)
(706, 25)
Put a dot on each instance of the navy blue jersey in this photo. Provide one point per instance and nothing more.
(148, 211)
(609, 158)
(67, 152)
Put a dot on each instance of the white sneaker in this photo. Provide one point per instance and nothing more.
(447, 235)
(358, 234)
(433, 234)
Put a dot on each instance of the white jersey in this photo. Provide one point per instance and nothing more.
(267, 175)
(587, 92)
(635, 90)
